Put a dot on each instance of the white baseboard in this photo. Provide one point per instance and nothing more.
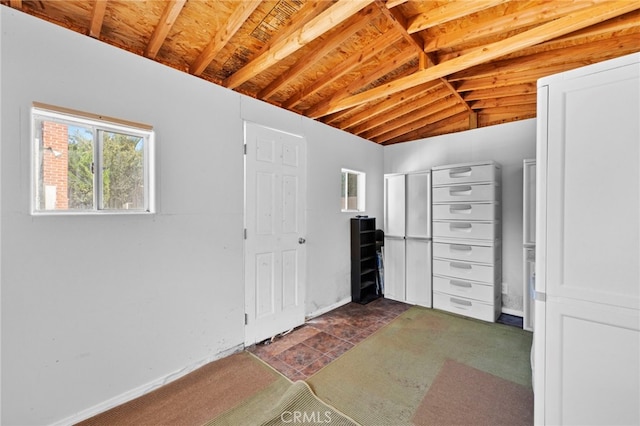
(515, 312)
(328, 308)
(142, 390)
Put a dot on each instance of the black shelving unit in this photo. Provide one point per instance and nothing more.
(364, 262)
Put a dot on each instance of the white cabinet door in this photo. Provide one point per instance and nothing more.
(593, 195)
(418, 202)
(394, 268)
(394, 205)
(587, 320)
(418, 272)
(593, 364)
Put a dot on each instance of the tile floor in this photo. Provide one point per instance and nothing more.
(308, 348)
(305, 350)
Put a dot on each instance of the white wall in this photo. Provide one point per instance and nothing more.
(98, 309)
(508, 144)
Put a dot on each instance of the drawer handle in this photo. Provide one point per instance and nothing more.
(460, 172)
(460, 227)
(460, 190)
(460, 303)
(460, 208)
(460, 247)
(456, 265)
(460, 284)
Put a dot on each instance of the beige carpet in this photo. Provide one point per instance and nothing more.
(199, 396)
(459, 390)
(401, 374)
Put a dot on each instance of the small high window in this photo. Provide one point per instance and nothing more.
(88, 164)
(353, 190)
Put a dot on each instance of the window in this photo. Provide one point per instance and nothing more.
(353, 190)
(86, 164)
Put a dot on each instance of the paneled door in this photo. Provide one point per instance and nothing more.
(275, 250)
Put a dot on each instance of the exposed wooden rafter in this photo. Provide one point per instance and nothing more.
(389, 71)
(97, 16)
(168, 18)
(539, 34)
(322, 23)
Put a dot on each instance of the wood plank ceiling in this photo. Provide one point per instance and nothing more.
(389, 71)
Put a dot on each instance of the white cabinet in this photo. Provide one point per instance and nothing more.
(587, 309)
(407, 247)
(467, 268)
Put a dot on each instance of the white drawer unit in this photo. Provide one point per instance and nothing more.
(464, 288)
(466, 211)
(464, 173)
(467, 252)
(467, 230)
(465, 193)
(464, 306)
(467, 259)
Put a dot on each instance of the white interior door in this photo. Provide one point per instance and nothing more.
(275, 251)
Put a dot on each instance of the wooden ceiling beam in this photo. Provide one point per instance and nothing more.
(319, 25)
(505, 101)
(390, 103)
(400, 23)
(370, 51)
(420, 122)
(613, 28)
(393, 3)
(382, 118)
(426, 107)
(168, 18)
(447, 12)
(360, 21)
(365, 80)
(97, 17)
(497, 92)
(564, 25)
(456, 122)
(16, 4)
(242, 11)
(512, 17)
(592, 50)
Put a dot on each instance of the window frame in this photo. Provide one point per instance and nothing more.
(361, 191)
(99, 124)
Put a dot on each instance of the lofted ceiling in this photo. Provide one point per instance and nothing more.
(389, 71)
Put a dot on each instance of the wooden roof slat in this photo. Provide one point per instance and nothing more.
(319, 25)
(428, 107)
(539, 34)
(370, 51)
(361, 21)
(610, 28)
(497, 92)
(421, 122)
(455, 122)
(390, 103)
(16, 4)
(447, 12)
(242, 11)
(400, 23)
(365, 80)
(168, 18)
(591, 50)
(505, 101)
(500, 22)
(407, 107)
(97, 16)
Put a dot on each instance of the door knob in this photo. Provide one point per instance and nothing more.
(301, 240)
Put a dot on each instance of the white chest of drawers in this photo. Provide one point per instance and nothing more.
(467, 255)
